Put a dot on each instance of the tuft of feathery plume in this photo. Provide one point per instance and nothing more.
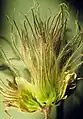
(51, 62)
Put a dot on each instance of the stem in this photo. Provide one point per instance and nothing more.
(47, 113)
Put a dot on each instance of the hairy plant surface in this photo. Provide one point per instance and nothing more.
(50, 61)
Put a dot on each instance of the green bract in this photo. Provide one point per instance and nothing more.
(50, 60)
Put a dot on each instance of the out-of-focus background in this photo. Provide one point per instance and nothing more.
(16, 9)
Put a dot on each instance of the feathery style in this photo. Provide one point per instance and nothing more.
(50, 61)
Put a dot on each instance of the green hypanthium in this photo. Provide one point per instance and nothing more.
(50, 59)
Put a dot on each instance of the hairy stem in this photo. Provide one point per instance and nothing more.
(47, 116)
(47, 113)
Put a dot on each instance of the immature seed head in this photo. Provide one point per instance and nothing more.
(50, 61)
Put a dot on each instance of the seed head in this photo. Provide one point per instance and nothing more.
(50, 61)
